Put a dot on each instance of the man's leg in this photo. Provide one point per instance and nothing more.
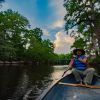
(88, 75)
(77, 73)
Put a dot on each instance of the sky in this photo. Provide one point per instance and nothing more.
(47, 15)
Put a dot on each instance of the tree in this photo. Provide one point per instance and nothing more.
(85, 16)
(48, 45)
(39, 49)
(18, 42)
(37, 32)
(13, 27)
(79, 43)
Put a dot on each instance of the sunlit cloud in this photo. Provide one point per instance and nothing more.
(62, 42)
(57, 24)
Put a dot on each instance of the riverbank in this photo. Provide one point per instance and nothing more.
(94, 64)
(35, 62)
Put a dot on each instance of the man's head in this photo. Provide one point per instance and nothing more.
(78, 52)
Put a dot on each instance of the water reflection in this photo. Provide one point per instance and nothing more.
(58, 71)
(9, 78)
(26, 82)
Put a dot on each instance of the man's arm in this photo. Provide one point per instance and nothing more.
(71, 64)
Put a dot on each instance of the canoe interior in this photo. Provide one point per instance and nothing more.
(62, 92)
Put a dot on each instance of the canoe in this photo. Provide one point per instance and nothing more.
(65, 90)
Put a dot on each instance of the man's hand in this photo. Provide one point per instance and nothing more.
(83, 60)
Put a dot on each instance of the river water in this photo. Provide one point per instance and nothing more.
(27, 82)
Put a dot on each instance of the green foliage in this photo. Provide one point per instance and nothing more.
(40, 50)
(65, 56)
(85, 16)
(12, 30)
(37, 32)
(79, 43)
(80, 12)
(18, 42)
(95, 60)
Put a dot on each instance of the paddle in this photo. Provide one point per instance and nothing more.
(81, 85)
(65, 71)
(69, 66)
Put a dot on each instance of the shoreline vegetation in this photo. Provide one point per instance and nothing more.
(35, 62)
(57, 62)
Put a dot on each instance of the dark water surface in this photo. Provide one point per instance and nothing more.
(27, 82)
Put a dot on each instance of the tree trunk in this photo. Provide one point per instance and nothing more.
(97, 31)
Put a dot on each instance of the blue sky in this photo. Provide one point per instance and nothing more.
(45, 14)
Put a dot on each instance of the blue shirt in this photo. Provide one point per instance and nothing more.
(78, 64)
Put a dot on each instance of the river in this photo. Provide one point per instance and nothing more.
(27, 82)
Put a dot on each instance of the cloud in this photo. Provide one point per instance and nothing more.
(58, 5)
(62, 43)
(57, 24)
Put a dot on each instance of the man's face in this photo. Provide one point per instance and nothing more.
(79, 52)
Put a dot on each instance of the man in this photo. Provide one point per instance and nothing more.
(79, 67)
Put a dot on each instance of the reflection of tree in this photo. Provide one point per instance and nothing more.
(17, 81)
(9, 77)
(38, 73)
(39, 78)
(21, 87)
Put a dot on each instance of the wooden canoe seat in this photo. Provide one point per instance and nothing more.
(81, 85)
